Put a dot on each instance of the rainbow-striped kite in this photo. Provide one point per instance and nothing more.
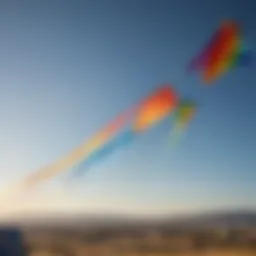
(226, 50)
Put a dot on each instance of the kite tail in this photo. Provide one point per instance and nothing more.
(107, 150)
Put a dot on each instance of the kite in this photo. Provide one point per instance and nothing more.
(226, 50)
(182, 116)
(143, 115)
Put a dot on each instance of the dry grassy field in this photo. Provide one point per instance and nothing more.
(141, 243)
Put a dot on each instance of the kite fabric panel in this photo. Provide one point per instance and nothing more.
(155, 108)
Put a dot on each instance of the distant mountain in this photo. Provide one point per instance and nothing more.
(239, 219)
(231, 220)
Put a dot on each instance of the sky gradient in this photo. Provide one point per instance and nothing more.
(69, 67)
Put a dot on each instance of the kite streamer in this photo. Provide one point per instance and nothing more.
(120, 141)
(226, 50)
(182, 117)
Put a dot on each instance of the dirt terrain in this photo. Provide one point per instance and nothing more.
(139, 242)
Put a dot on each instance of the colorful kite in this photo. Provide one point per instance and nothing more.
(142, 116)
(226, 50)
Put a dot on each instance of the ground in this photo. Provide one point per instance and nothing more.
(141, 242)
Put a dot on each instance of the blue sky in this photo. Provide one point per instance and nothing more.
(68, 67)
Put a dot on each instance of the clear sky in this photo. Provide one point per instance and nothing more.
(68, 67)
